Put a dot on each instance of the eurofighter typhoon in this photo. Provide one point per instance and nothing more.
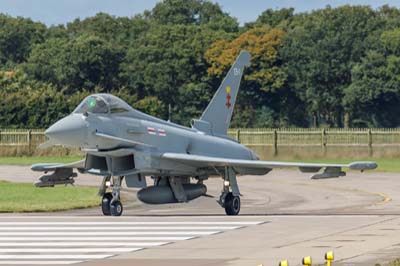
(122, 143)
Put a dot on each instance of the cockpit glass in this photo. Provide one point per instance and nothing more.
(102, 103)
(92, 104)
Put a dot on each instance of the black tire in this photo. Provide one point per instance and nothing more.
(232, 204)
(116, 208)
(105, 203)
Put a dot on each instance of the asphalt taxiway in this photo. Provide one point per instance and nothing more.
(285, 215)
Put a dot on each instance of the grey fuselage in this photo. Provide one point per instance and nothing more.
(150, 138)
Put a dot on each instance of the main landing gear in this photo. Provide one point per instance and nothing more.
(111, 202)
(230, 194)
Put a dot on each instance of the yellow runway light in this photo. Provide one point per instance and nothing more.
(284, 263)
(307, 261)
(329, 258)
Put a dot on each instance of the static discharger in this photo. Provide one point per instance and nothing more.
(329, 257)
(307, 261)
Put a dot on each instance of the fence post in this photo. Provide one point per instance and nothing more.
(323, 141)
(238, 135)
(29, 139)
(275, 142)
(370, 150)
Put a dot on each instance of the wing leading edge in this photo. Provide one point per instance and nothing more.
(331, 170)
(42, 167)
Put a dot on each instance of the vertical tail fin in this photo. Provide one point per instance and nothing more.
(218, 113)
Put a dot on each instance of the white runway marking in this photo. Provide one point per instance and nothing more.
(111, 233)
(68, 242)
(54, 257)
(107, 228)
(39, 262)
(132, 223)
(81, 244)
(100, 238)
(68, 250)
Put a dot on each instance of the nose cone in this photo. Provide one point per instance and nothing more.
(69, 131)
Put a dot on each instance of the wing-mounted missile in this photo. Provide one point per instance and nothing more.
(329, 172)
(334, 172)
(60, 176)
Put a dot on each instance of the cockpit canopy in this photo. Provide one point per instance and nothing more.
(102, 104)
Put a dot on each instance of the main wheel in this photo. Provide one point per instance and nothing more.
(105, 203)
(232, 204)
(116, 208)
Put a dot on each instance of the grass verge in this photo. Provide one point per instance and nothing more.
(395, 262)
(21, 197)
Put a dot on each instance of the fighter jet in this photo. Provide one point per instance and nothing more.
(122, 143)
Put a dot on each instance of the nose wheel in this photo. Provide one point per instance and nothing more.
(116, 208)
(105, 203)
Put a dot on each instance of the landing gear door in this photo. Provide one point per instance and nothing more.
(136, 180)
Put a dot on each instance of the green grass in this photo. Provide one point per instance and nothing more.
(395, 262)
(25, 160)
(21, 197)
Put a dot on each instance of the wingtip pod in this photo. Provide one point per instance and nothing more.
(41, 167)
(363, 166)
(244, 58)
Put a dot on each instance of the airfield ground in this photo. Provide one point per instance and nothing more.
(284, 216)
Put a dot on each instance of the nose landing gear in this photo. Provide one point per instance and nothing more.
(110, 203)
(116, 208)
(105, 203)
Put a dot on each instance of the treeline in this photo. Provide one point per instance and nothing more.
(332, 67)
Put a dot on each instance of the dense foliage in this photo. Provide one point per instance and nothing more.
(330, 67)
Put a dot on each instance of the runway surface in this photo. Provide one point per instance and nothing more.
(62, 240)
(284, 216)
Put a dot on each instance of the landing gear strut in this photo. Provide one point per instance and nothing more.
(230, 194)
(110, 203)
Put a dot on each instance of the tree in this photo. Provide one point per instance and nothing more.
(320, 50)
(84, 62)
(373, 97)
(166, 63)
(17, 36)
(192, 12)
(280, 18)
(265, 77)
(118, 30)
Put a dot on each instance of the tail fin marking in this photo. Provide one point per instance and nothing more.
(219, 111)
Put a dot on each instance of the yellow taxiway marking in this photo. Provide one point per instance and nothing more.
(385, 198)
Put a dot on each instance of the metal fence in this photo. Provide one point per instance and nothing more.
(256, 137)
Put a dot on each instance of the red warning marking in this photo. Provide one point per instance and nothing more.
(228, 100)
